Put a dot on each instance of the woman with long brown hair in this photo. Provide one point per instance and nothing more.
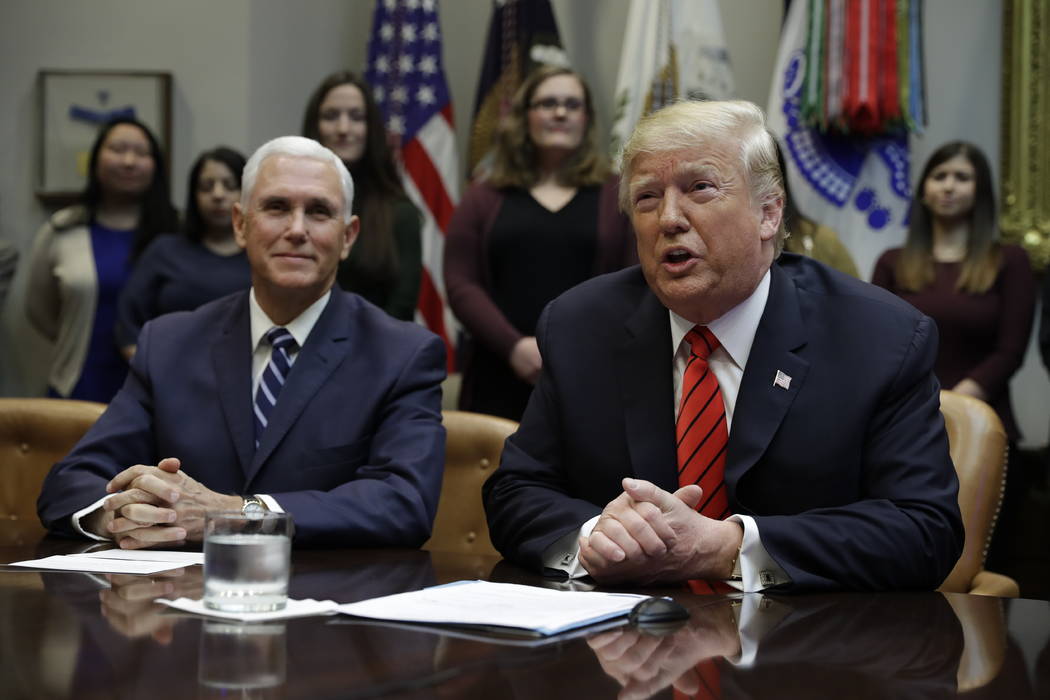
(981, 292)
(545, 219)
(386, 263)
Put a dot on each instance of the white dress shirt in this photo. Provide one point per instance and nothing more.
(735, 331)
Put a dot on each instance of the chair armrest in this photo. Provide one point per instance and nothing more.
(988, 583)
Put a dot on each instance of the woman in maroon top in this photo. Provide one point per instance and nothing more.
(952, 267)
(544, 219)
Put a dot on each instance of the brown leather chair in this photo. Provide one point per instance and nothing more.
(978, 448)
(472, 452)
(34, 434)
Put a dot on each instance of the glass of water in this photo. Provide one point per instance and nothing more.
(247, 559)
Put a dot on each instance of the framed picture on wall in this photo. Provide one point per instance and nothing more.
(73, 104)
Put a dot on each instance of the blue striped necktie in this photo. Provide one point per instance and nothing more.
(273, 377)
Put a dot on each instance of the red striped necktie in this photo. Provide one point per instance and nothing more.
(701, 431)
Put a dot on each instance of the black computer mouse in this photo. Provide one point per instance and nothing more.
(657, 610)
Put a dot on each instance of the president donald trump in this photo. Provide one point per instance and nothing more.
(723, 411)
(291, 396)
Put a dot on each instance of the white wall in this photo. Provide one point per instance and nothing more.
(291, 47)
(962, 86)
(243, 69)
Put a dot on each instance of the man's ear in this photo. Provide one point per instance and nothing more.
(240, 225)
(772, 214)
(352, 229)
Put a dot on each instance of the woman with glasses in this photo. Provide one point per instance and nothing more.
(544, 219)
(83, 255)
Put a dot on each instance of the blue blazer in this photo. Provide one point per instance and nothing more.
(846, 471)
(354, 449)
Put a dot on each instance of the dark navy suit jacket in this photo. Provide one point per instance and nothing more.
(354, 449)
(846, 471)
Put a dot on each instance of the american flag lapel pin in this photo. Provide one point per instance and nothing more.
(782, 380)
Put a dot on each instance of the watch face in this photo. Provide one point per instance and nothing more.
(252, 507)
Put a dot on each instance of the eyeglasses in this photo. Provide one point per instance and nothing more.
(551, 104)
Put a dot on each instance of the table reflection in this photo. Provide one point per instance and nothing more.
(645, 660)
(131, 646)
(756, 646)
(82, 635)
(129, 604)
(242, 660)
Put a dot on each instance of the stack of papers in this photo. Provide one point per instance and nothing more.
(116, 561)
(498, 607)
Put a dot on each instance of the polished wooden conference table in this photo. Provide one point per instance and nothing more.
(88, 636)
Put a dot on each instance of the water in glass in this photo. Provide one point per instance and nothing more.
(246, 572)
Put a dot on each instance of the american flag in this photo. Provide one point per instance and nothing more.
(408, 79)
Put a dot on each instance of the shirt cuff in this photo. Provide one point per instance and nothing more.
(75, 519)
(564, 554)
(271, 504)
(758, 570)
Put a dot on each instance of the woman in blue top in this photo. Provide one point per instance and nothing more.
(83, 255)
(179, 273)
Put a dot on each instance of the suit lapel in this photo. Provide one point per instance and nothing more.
(234, 379)
(645, 365)
(325, 348)
(762, 401)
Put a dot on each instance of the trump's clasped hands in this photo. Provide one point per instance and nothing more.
(647, 534)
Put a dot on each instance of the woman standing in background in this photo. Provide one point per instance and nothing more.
(386, 262)
(953, 268)
(179, 273)
(83, 255)
(980, 292)
(544, 220)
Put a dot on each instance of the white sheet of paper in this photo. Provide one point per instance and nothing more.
(79, 562)
(294, 608)
(181, 558)
(501, 605)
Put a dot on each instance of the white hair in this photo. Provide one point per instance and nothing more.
(297, 147)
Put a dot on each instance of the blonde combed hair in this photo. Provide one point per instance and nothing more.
(690, 123)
